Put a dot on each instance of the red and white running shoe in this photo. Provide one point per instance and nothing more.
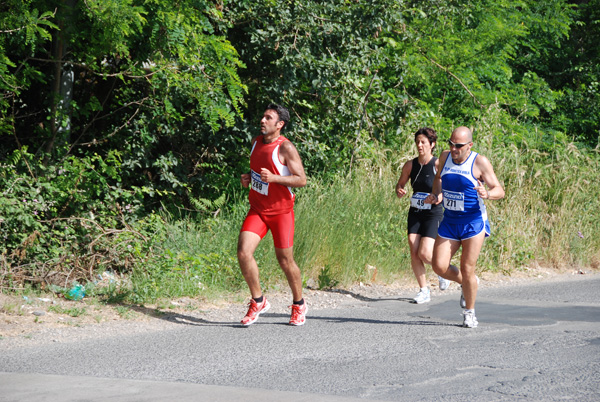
(254, 310)
(298, 314)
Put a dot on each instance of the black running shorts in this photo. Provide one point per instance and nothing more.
(423, 223)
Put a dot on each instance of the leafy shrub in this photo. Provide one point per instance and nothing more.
(60, 223)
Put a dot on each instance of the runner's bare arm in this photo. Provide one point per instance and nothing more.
(404, 177)
(288, 155)
(484, 172)
(436, 191)
(437, 168)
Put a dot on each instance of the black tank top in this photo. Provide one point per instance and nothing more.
(421, 179)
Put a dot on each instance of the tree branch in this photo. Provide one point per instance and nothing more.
(447, 71)
(364, 105)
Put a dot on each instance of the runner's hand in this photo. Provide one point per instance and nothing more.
(245, 179)
(483, 193)
(266, 175)
(431, 199)
(400, 192)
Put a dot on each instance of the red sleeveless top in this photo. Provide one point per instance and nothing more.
(269, 198)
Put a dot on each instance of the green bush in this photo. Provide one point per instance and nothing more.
(61, 223)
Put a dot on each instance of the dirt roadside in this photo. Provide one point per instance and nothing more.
(35, 320)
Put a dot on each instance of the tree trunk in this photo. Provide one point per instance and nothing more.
(62, 88)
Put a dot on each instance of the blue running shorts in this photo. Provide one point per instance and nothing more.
(463, 231)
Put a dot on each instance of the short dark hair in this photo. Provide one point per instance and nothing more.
(427, 132)
(283, 113)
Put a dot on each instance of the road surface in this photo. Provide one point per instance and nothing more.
(535, 342)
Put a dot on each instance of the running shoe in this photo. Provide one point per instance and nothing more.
(422, 297)
(469, 319)
(254, 310)
(444, 283)
(298, 314)
(463, 302)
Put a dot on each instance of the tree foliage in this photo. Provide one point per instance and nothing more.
(108, 108)
(356, 72)
(152, 104)
(151, 79)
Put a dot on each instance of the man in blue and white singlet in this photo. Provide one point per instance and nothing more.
(462, 180)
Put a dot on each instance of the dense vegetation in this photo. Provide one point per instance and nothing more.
(125, 124)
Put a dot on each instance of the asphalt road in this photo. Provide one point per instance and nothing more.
(535, 342)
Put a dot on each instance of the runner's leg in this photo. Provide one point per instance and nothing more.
(247, 243)
(426, 249)
(282, 229)
(443, 251)
(468, 262)
(285, 257)
(414, 243)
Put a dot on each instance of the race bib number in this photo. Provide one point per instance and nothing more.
(258, 185)
(418, 201)
(454, 201)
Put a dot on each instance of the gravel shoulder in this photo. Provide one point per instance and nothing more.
(37, 320)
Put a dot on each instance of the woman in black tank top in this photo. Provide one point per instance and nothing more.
(423, 219)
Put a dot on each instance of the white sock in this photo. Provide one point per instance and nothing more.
(425, 290)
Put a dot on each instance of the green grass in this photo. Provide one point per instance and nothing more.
(73, 311)
(11, 308)
(551, 212)
(345, 228)
(124, 312)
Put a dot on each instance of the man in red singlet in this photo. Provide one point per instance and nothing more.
(275, 168)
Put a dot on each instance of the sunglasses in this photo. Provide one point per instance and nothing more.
(457, 146)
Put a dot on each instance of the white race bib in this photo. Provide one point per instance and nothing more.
(454, 201)
(418, 201)
(258, 185)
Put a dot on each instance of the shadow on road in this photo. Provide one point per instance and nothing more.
(345, 320)
(360, 297)
(180, 318)
(191, 320)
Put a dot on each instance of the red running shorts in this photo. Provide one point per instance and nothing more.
(281, 227)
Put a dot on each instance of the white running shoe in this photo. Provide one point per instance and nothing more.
(469, 319)
(463, 302)
(423, 297)
(444, 283)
